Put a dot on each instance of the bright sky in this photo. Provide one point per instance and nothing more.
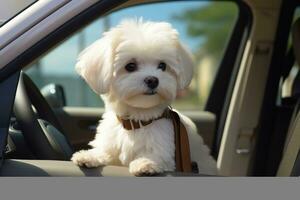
(63, 58)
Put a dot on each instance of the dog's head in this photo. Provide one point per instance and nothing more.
(143, 64)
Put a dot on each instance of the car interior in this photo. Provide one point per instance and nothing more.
(244, 97)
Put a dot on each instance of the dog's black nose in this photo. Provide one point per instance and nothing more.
(151, 82)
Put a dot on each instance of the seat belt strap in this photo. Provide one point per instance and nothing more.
(182, 148)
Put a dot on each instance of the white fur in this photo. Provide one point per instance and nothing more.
(151, 148)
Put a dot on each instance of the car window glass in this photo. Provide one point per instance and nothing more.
(205, 27)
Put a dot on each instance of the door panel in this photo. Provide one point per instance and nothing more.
(205, 122)
(80, 124)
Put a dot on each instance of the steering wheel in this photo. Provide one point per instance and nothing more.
(40, 127)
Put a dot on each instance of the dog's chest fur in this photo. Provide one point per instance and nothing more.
(155, 140)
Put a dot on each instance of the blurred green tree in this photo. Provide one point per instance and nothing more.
(212, 24)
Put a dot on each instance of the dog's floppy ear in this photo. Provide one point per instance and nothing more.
(185, 66)
(95, 65)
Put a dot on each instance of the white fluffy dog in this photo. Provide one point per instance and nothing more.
(139, 67)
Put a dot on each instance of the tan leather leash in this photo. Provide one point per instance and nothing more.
(182, 147)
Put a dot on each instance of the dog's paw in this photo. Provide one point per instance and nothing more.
(144, 167)
(87, 158)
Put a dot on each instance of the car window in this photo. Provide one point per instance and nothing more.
(205, 27)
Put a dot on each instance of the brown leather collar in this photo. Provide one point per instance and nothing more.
(130, 124)
(182, 148)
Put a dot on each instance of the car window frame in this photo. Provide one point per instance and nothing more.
(17, 13)
(230, 64)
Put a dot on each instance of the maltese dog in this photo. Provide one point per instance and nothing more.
(138, 68)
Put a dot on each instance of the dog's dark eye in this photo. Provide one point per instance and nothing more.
(162, 66)
(131, 67)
